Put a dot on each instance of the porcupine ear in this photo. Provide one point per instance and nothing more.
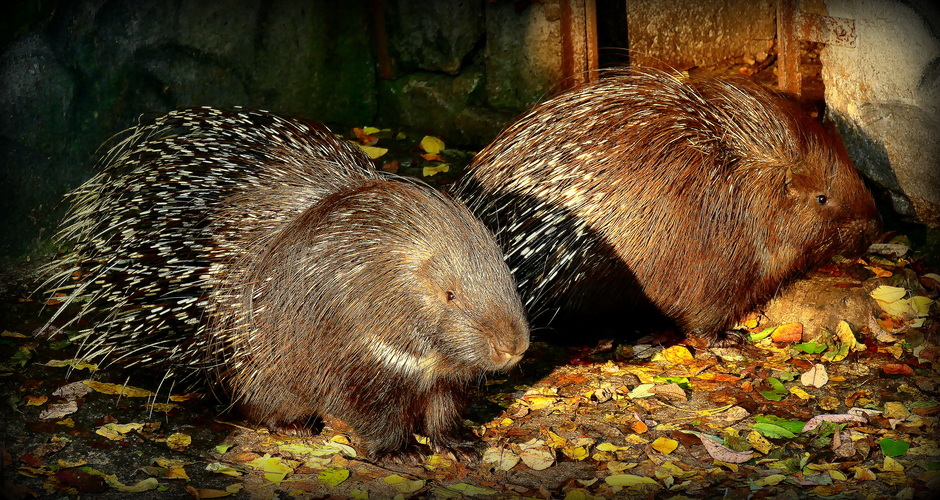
(791, 177)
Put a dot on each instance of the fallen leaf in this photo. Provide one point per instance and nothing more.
(815, 376)
(333, 477)
(788, 333)
(502, 458)
(432, 145)
(834, 418)
(429, 171)
(275, 468)
(118, 389)
(677, 355)
(373, 152)
(178, 441)
(537, 458)
(721, 452)
(404, 485)
(144, 485)
(898, 369)
(893, 448)
(665, 445)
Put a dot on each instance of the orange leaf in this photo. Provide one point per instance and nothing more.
(898, 370)
(364, 138)
(639, 427)
(790, 332)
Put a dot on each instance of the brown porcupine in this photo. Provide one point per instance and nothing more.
(697, 196)
(267, 253)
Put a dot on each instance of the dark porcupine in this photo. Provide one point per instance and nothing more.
(268, 254)
(696, 197)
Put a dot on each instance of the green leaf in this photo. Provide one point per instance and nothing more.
(773, 431)
(810, 347)
(773, 395)
(680, 381)
(893, 448)
(794, 426)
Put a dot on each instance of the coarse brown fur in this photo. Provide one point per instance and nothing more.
(267, 254)
(699, 197)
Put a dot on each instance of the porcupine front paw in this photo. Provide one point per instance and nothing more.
(468, 451)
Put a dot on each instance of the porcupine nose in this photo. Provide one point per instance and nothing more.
(509, 345)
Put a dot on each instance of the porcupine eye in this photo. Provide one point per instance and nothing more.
(821, 199)
(450, 295)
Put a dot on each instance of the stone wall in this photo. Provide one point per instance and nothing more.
(73, 73)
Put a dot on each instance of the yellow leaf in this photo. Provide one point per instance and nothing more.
(677, 355)
(431, 171)
(888, 293)
(116, 432)
(373, 151)
(575, 452)
(66, 465)
(139, 487)
(72, 363)
(628, 480)
(371, 130)
(611, 447)
(555, 441)
(771, 480)
(846, 336)
(404, 485)
(274, 468)
(665, 445)
(800, 393)
(537, 401)
(118, 389)
(432, 145)
(178, 441)
(892, 465)
(177, 473)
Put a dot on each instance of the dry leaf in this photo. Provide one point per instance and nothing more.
(665, 445)
(677, 355)
(723, 453)
(788, 333)
(815, 377)
(432, 145)
(834, 418)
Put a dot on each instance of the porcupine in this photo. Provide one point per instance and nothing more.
(268, 254)
(696, 197)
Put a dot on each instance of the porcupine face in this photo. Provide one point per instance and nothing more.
(479, 321)
(832, 205)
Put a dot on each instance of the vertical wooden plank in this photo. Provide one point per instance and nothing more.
(789, 79)
(579, 52)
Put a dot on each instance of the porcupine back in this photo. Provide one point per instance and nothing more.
(699, 197)
(142, 229)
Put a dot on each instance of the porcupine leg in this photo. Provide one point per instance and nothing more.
(442, 424)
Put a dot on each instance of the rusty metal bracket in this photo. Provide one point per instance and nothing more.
(793, 26)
